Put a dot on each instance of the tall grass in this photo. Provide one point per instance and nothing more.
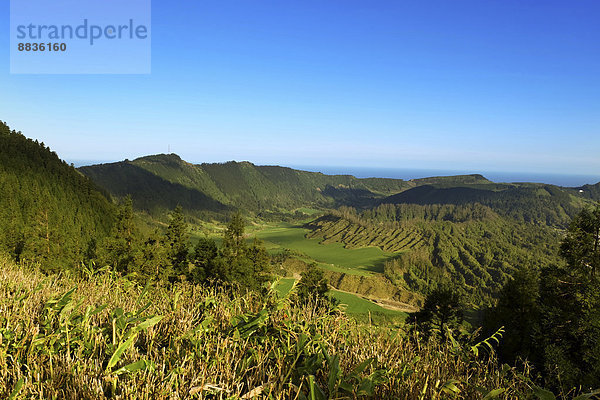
(104, 336)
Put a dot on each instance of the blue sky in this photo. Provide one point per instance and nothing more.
(463, 85)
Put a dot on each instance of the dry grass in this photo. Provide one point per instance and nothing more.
(111, 338)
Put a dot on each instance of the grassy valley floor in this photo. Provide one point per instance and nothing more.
(333, 256)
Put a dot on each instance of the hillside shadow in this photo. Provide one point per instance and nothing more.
(149, 191)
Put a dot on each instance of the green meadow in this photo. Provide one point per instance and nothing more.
(284, 285)
(357, 305)
(308, 211)
(333, 256)
(351, 303)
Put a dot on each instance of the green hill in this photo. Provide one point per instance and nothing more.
(162, 181)
(591, 192)
(150, 192)
(49, 212)
(469, 247)
(541, 204)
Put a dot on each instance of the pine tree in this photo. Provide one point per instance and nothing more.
(119, 248)
(581, 246)
(518, 311)
(248, 266)
(176, 243)
(205, 260)
(442, 310)
(234, 243)
(261, 262)
(153, 261)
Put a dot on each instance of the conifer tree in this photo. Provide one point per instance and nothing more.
(442, 310)
(238, 262)
(176, 243)
(119, 248)
(234, 244)
(152, 261)
(518, 311)
(205, 260)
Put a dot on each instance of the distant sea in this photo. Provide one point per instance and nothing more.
(85, 163)
(407, 173)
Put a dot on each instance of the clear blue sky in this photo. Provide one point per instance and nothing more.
(485, 85)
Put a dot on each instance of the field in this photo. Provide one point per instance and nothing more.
(308, 211)
(284, 286)
(333, 256)
(351, 303)
(357, 305)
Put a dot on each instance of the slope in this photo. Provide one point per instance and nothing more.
(468, 247)
(49, 212)
(162, 181)
(222, 186)
(541, 204)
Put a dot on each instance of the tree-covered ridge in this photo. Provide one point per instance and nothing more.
(470, 179)
(469, 247)
(162, 181)
(49, 212)
(156, 182)
(149, 191)
(533, 203)
(591, 192)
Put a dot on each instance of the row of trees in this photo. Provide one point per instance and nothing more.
(168, 256)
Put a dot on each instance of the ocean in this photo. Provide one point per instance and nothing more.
(495, 176)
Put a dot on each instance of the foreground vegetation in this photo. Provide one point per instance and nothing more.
(103, 336)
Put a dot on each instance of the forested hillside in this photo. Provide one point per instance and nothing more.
(159, 183)
(49, 212)
(470, 247)
(526, 202)
(591, 192)
(162, 181)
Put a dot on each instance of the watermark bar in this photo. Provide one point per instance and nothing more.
(80, 37)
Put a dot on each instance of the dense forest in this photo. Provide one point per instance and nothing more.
(469, 247)
(532, 203)
(49, 212)
(157, 183)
